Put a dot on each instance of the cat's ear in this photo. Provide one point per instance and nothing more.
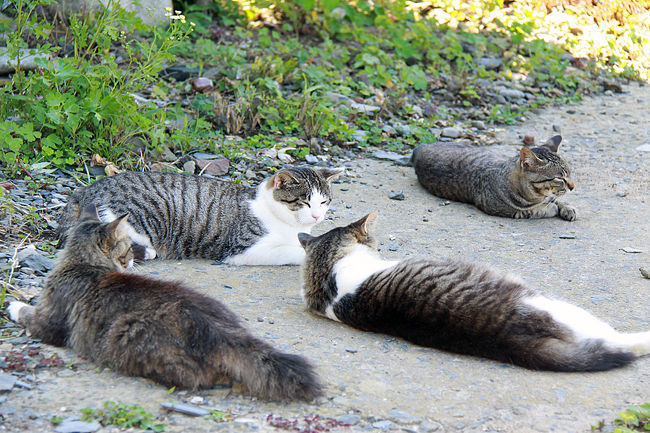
(305, 239)
(118, 228)
(281, 178)
(367, 223)
(89, 213)
(553, 143)
(528, 159)
(331, 173)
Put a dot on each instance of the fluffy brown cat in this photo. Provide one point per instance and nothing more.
(157, 329)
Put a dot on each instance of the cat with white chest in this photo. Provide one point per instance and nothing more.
(456, 306)
(178, 216)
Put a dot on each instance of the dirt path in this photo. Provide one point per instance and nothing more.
(378, 383)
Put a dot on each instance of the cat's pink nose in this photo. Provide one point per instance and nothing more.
(570, 185)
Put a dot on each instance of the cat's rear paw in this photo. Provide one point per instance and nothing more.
(14, 309)
(567, 213)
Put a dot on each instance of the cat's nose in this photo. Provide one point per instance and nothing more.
(569, 184)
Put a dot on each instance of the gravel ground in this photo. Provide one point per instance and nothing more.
(376, 383)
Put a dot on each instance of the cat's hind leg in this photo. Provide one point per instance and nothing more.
(593, 341)
(150, 347)
(107, 216)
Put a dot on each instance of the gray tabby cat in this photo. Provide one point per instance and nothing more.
(456, 306)
(157, 329)
(181, 216)
(524, 186)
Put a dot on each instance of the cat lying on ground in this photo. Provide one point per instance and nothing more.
(524, 186)
(179, 216)
(456, 306)
(156, 329)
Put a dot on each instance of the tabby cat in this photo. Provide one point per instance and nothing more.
(185, 216)
(524, 186)
(456, 306)
(156, 329)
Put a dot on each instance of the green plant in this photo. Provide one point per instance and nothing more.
(123, 416)
(56, 420)
(634, 419)
(83, 104)
(219, 416)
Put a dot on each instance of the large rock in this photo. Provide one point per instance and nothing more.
(150, 11)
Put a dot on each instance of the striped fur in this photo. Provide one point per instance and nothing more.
(456, 306)
(179, 216)
(525, 186)
(156, 329)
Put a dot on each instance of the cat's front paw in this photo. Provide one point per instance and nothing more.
(14, 309)
(567, 213)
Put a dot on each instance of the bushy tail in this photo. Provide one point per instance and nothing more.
(274, 375)
(585, 355)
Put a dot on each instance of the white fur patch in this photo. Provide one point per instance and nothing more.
(329, 313)
(356, 267)
(14, 310)
(280, 245)
(107, 216)
(586, 326)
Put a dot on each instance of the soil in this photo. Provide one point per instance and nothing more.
(374, 382)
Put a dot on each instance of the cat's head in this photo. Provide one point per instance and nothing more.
(544, 170)
(96, 243)
(302, 195)
(323, 251)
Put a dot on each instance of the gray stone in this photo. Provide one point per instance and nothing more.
(27, 62)
(7, 382)
(75, 425)
(427, 426)
(202, 155)
(187, 409)
(359, 135)
(40, 264)
(213, 167)
(478, 124)
(384, 425)
(402, 417)
(397, 195)
(150, 11)
(643, 148)
(311, 159)
(490, 63)
(349, 419)
(451, 132)
(362, 108)
(403, 129)
(389, 130)
(511, 93)
(189, 166)
(390, 156)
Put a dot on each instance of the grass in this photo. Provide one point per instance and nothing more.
(290, 72)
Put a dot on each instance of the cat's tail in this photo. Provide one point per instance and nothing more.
(584, 355)
(271, 374)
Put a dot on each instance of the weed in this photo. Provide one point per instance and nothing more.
(219, 416)
(123, 416)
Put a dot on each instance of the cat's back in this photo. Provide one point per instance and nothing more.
(159, 204)
(150, 185)
(453, 170)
